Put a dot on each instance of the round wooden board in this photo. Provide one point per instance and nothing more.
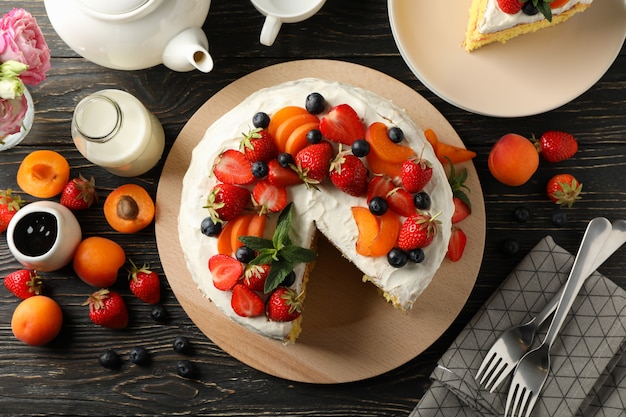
(349, 332)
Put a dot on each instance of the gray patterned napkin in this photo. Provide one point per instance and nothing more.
(588, 374)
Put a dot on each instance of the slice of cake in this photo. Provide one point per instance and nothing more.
(302, 158)
(500, 20)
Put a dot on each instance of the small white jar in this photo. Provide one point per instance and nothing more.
(114, 130)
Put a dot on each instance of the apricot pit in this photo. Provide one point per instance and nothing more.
(129, 208)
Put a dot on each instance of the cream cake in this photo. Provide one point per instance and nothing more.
(317, 208)
(500, 20)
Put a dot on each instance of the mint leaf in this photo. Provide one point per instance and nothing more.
(281, 234)
(256, 243)
(296, 254)
(278, 271)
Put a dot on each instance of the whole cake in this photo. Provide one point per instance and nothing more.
(301, 158)
(500, 20)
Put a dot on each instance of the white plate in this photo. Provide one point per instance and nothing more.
(528, 75)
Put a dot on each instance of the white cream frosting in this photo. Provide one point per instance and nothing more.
(496, 20)
(328, 210)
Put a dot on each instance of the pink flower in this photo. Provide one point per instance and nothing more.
(12, 114)
(21, 40)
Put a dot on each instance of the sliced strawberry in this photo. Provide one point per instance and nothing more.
(456, 245)
(232, 167)
(401, 202)
(342, 124)
(461, 210)
(269, 197)
(281, 176)
(379, 186)
(245, 302)
(225, 270)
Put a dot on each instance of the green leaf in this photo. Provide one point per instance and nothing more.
(278, 271)
(281, 234)
(266, 256)
(256, 243)
(296, 254)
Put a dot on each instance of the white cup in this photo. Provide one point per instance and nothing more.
(277, 12)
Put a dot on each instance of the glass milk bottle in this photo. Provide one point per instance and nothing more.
(112, 129)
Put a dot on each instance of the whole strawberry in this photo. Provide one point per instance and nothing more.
(415, 173)
(107, 309)
(226, 201)
(258, 145)
(510, 6)
(564, 189)
(284, 304)
(349, 174)
(9, 205)
(79, 193)
(556, 146)
(417, 231)
(144, 283)
(24, 283)
(313, 162)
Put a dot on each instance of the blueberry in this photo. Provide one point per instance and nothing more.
(245, 254)
(181, 344)
(110, 359)
(209, 227)
(416, 255)
(158, 314)
(529, 9)
(315, 103)
(139, 355)
(421, 200)
(186, 369)
(395, 134)
(261, 120)
(289, 279)
(559, 218)
(284, 159)
(314, 136)
(360, 148)
(378, 206)
(397, 258)
(521, 214)
(259, 169)
(510, 247)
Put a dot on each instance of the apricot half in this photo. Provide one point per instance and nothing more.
(129, 208)
(377, 234)
(43, 173)
(378, 138)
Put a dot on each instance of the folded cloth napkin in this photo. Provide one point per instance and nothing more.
(588, 360)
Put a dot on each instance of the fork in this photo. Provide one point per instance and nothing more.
(514, 342)
(532, 370)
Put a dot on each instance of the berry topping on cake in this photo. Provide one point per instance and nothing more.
(417, 231)
(313, 162)
(232, 167)
(510, 6)
(225, 271)
(245, 302)
(226, 201)
(259, 145)
(342, 125)
(415, 174)
(284, 305)
(269, 197)
(349, 174)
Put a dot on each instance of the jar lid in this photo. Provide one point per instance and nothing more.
(98, 117)
(113, 7)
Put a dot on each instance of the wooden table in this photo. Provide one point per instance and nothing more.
(64, 378)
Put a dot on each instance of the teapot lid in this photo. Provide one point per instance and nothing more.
(113, 7)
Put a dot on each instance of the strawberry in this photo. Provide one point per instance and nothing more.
(456, 245)
(79, 193)
(510, 6)
(284, 304)
(417, 231)
(259, 145)
(281, 176)
(232, 167)
(245, 302)
(24, 283)
(379, 186)
(415, 173)
(349, 174)
(254, 276)
(461, 210)
(342, 125)
(564, 189)
(556, 146)
(107, 309)
(226, 201)
(144, 283)
(400, 201)
(9, 205)
(269, 197)
(313, 163)
(225, 270)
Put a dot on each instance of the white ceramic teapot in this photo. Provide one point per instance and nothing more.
(135, 34)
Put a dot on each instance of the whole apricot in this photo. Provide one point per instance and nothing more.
(43, 173)
(129, 208)
(37, 320)
(513, 159)
(97, 261)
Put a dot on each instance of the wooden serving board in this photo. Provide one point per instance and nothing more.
(349, 332)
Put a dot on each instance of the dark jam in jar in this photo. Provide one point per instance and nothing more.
(35, 233)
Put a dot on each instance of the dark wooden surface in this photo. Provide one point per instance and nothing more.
(64, 378)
